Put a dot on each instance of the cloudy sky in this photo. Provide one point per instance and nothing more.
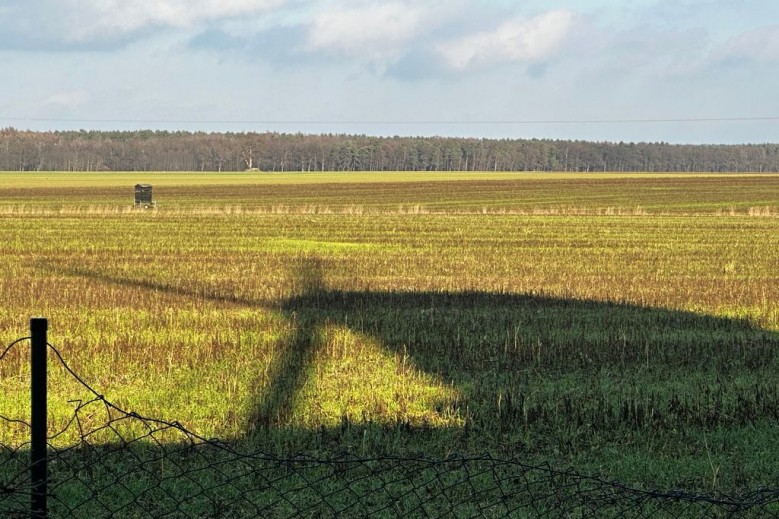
(699, 71)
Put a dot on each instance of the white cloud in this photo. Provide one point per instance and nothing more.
(99, 18)
(518, 39)
(372, 32)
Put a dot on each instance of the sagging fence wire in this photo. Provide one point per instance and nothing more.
(124, 464)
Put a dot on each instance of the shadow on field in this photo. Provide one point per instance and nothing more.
(649, 396)
(551, 379)
(521, 361)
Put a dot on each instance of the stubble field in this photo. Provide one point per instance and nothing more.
(621, 324)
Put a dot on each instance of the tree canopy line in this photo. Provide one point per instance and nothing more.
(149, 150)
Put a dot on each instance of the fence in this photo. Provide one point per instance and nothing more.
(132, 466)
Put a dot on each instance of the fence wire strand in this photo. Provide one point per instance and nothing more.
(125, 464)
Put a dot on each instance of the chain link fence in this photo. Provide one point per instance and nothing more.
(123, 464)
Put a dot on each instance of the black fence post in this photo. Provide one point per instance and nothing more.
(38, 468)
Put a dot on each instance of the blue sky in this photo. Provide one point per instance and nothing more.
(504, 69)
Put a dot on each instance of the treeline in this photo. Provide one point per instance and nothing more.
(186, 151)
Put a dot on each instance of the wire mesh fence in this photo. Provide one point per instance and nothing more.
(124, 464)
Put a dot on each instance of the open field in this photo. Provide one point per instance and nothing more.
(620, 324)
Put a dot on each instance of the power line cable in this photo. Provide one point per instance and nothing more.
(394, 122)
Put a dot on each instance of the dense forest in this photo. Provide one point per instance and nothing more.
(185, 151)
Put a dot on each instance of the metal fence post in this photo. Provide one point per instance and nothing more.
(38, 426)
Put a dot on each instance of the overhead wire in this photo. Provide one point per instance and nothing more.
(443, 122)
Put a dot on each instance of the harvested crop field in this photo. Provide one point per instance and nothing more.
(625, 325)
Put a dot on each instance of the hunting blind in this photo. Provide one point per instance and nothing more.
(143, 196)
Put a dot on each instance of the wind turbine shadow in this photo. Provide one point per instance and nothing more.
(490, 346)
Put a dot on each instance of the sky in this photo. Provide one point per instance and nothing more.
(679, 71)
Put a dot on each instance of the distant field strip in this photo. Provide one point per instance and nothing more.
(396, 193)
(117, 179)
